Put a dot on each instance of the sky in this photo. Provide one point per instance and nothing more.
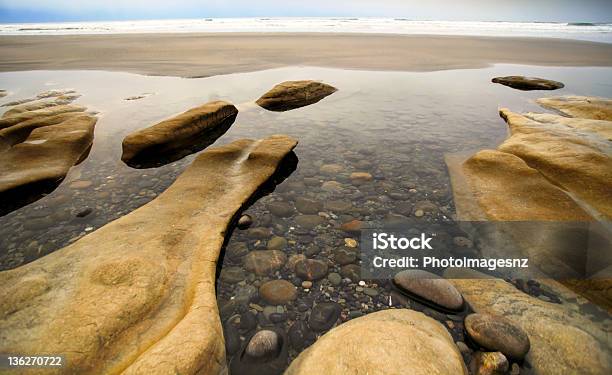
(448, 10)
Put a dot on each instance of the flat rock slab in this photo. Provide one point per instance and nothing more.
(294, 94)
(179, 136)
(137, 296)
(497, 333)
(528, 83)
(585, 107)
(38, 152)
(429, 287)
(386, 342)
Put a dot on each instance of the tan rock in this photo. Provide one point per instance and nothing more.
(197, 127)
(138, 295)
(41, 104)
(39, 163)
(385, 342)
(579, 163)
(563, 340)
(506, 189)
(603, 128)
(580, 106)
(294, 94)
(18, 133)
(5, 122)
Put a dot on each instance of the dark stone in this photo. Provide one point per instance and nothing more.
(311, 269)
(232, 338)
(496, 333)
(528, 83)
(300, 336)
(324, 315)
(84, 212)
(351, 271)
(262, 354)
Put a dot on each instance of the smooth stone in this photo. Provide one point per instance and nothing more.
(309, 221)
(294, 94)
(248, 321)
(263, 344)
(528, 83)
(370, 292)
(277, 317)
(496, 333)
(358, 178)
(245, 221)
(277, 243)
(344, 256)
(281, 209)
(395, 341)
(308, 206)
(331, 169)
(332, 186)
(324, 315)
(426, 206)
(334, 279)
(353, 226)
(232, 275)
(264, 262)
(278, 292)
(236, 250)
(311, 269)
(489, 363)
(84, 212)
(430, 287)
(306, 284)
(259, 233)
(338, 206)
(80, 184)
(349, 242)
(351, 271)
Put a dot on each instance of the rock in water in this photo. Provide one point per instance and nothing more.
(178, 136)
(264, 262)
(489, 363)
(278, 292)
(311, 269)
(528, 83)
(37, 157)
(265, 353)
(324, 315)
(263, 344)
(429, 287)
(139, 293)
(386, 342)
(294, 94)
(584, 107)
(498, 334)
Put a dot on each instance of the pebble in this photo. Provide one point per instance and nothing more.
(419, 213)
(350, 242)
(307, 206)
(309, 221)
(245, 221)
(324, 315)
(334, 279)
(277, 243)
(281, 209)
(489, 363)
(306, 284)
(263, 344)
(311, 269)
(277, 292)
(264, 262)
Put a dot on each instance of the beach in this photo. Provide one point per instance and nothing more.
(203, 55)
(188, 202)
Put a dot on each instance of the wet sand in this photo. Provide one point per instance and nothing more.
(200, 55)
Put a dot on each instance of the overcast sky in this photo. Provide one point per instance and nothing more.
(471, 10)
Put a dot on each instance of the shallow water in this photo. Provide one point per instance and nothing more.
(395, 125)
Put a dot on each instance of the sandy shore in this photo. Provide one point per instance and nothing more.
(195, 55)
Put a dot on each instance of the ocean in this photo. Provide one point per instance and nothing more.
(599, 32)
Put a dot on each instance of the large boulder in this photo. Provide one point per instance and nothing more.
(294, 94)
(138, 295)
(528, 83)
(181, 135)
(563, 339)
(385, 342)
(580, 106)
(38, 152)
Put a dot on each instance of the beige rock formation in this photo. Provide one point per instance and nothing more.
(294, 94)
(5, 122)
(35, 161)
(398, 341)
(578, 161)
(580, 106)
(563, 340)
(137, 296)
(41, 104)
(203, 124)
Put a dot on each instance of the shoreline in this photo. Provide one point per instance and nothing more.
(207, 54)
